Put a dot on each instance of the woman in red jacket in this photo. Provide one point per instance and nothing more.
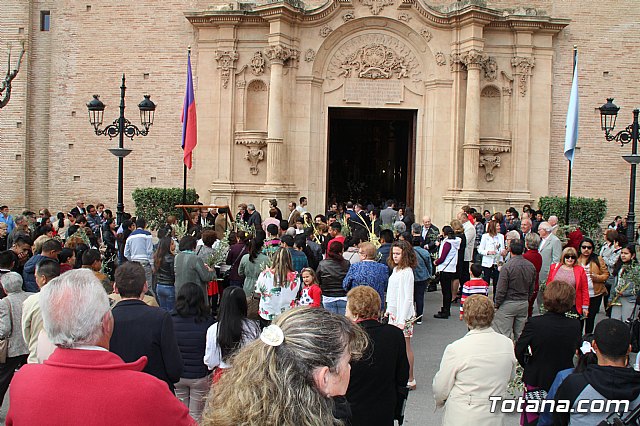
(568, 270)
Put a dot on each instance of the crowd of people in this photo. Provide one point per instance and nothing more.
(241, 317)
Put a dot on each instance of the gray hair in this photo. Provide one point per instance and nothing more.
(19, 218)
(513, 235)
(251, 207)
(532, 241)
(11, 282)
(416, 228)
(73, 306)
(399, 227)
(546, 226)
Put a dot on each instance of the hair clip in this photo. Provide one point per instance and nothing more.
(586, 348)
(272, 335)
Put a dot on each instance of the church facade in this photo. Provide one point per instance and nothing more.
(438, 103)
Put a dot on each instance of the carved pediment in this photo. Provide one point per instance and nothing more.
(373, 56)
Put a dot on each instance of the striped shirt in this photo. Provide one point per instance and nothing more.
(471, 287)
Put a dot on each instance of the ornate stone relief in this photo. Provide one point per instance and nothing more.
(441, 59)
(489, 162)
(374, 56)
(348, 16)
(226, 62)
(473, 58)
(375, 6)
(507, 88)
(257, 63)
(490, 92)
(280, 53)
(403, 16)
(490, 69)
(524, 67)
(309, 55)
(254, 155)
(325, 31)
(426, 34)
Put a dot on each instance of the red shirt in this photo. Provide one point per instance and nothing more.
(339, 238)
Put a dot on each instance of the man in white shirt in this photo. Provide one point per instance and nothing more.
(550, 249)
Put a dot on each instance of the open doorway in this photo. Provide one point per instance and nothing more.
(371, 155)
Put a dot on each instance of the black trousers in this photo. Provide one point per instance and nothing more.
(8, 369)
(445, 282)
(594, 307)
(465, 275)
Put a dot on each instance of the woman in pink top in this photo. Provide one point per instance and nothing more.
(568, 270)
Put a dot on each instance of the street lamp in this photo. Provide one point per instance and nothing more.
(608, 115)
(121, 127)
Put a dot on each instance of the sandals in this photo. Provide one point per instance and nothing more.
(411, 385)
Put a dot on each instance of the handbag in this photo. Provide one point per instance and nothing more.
(253, 306)
(4, 343)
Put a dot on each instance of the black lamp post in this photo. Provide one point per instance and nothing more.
(121, 127)
(608, 115)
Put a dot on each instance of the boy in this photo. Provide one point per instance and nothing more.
(476, 285)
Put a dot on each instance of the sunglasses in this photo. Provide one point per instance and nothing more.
(586, 247)
(571, 257)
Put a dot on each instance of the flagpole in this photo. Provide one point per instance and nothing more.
(566, 214)
(184, 167)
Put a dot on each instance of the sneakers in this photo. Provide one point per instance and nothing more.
(441, 315)
(419, 322)
(411, 385)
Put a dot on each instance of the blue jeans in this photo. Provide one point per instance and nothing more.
(337, 307)
(166, 296)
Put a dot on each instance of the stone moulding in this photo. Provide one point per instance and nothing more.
(524, 68)
(226, 62)
(494, 145)
(489, 162)
(255, 142)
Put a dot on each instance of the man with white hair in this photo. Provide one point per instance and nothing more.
(553, 221)
(254, 217)
(82, 372)
(550, 249)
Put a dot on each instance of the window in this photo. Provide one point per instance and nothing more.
(45, 20)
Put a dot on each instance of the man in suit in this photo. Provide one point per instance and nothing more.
(254, 217)
(141, 330)
(429, 234)
(294, 214)
(78, 209)
(550, 249)
(389, 215)
(205, 219)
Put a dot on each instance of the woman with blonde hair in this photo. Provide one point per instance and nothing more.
(491, 245)
(278, 287)
(400, 296)
(570, 271)
(291, 375)
(473, 368)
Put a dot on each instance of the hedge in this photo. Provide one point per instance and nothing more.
(589, 212)
(155, 204)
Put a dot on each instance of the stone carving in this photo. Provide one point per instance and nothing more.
(257, 63)
(226, 62)
(426, 34)
(280, 53)
(374, 56)
(507, 88)
(350, 15)
(489, 162)
(490, 69)
(403, 16)
(374, 61)
(325, 31)
(257, 86)
(473, 58)
(254, 155)
(441, 59)
(490, 92)
(524, 67)
(309, 55)
(375, 6)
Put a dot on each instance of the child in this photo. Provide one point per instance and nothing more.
(476, 285)
(310, 295)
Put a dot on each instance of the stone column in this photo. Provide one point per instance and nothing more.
(278, 54)
(473, 59)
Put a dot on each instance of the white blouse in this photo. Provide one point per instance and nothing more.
(212, 352)
(400, 296)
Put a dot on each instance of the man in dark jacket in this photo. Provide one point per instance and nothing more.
(607, 381)
(142, 330)
(50, 249)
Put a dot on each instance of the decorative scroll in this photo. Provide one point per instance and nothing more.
(257, 63)
(524, 67)
(254, 155)
(280, 53)
(350, 15)
(325, 31)
(426, 34)
(375, 6)
(490, 69)
(226, 60)
(489, 162)
(404, 16)
(473, 58)
(441, 59)
(309, 55)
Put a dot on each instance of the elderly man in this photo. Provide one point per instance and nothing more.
(553, 221)
(550, 250)
(470, 235)
(82, 372)
(429, 234)
(254, 217)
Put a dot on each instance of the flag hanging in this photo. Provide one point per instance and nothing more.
(571, 130)
(189, 126)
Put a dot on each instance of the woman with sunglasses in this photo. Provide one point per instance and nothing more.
(569, 271)
(597, 274)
